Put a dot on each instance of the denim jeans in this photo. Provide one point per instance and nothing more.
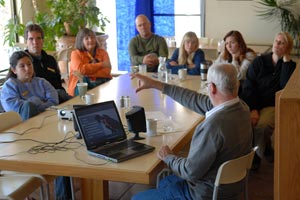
(63, 188)
(170, 188)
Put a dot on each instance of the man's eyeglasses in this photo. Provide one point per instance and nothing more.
(207, 84)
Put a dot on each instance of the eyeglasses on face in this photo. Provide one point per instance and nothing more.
(207, 84)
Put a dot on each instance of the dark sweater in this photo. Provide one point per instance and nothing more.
(46, 67)
(263, 80)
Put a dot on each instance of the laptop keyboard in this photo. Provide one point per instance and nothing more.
(125, 145)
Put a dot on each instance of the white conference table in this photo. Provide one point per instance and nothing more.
(74, 161)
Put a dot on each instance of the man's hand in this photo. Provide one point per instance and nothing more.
(151, 60)
(163, 152)
(144, 82)
(254, 117)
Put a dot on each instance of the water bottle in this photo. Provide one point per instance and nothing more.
(162, 68)
(221, 46)
(204, 69)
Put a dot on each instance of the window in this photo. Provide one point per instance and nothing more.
(4, 50)
(178, 17)
(171, 18)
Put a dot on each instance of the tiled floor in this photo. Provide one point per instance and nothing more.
(260, 186)
(261, 182)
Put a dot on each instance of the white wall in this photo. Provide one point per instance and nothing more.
(223, 16)
(107, 7)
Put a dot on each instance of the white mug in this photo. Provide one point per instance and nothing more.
(182, 73)
(88, 98)
(143, 69)
(151, 125)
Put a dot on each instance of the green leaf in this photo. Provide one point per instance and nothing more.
(77, 13)
(12, 30)
(2, 3)
(283, 13)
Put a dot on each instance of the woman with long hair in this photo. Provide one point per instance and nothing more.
(237, 53)
(24, 93)
(187, 56)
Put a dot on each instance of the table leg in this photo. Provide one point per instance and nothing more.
(94, 189)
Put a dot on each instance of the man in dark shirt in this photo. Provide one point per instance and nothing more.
(265, 76)
(45, 66)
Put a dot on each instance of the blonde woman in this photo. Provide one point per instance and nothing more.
(187, 56)
(267, 74)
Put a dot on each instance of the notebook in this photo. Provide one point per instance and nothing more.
(104, 135)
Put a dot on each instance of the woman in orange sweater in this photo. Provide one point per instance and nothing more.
(89, 63)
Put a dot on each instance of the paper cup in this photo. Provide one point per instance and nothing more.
(182, 73)
(151, 125)
(88, 98)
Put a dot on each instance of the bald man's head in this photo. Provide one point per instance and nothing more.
(143, 26)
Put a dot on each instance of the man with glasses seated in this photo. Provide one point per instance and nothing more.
(225, 134)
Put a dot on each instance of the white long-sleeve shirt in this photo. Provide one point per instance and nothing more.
(240, 68)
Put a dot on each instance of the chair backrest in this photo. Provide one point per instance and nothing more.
(203, 41)
(63, 58)
(233, 171)
(9, 119)
(64, 54)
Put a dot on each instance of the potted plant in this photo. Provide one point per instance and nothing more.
(64, 18)
(286, 12)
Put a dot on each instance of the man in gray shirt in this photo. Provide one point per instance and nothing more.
(225, 134)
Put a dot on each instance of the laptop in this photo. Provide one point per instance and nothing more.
(104, 135)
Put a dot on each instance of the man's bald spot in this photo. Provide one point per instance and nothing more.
(141, 18)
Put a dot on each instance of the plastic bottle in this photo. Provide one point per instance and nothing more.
(162, 68)
(221, 46)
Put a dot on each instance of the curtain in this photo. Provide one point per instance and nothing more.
(125, 14)
(145, 7)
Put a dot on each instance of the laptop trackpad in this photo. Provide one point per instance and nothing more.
(126, 152)
(117, 155)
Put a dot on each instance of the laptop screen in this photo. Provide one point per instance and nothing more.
(99, 124)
